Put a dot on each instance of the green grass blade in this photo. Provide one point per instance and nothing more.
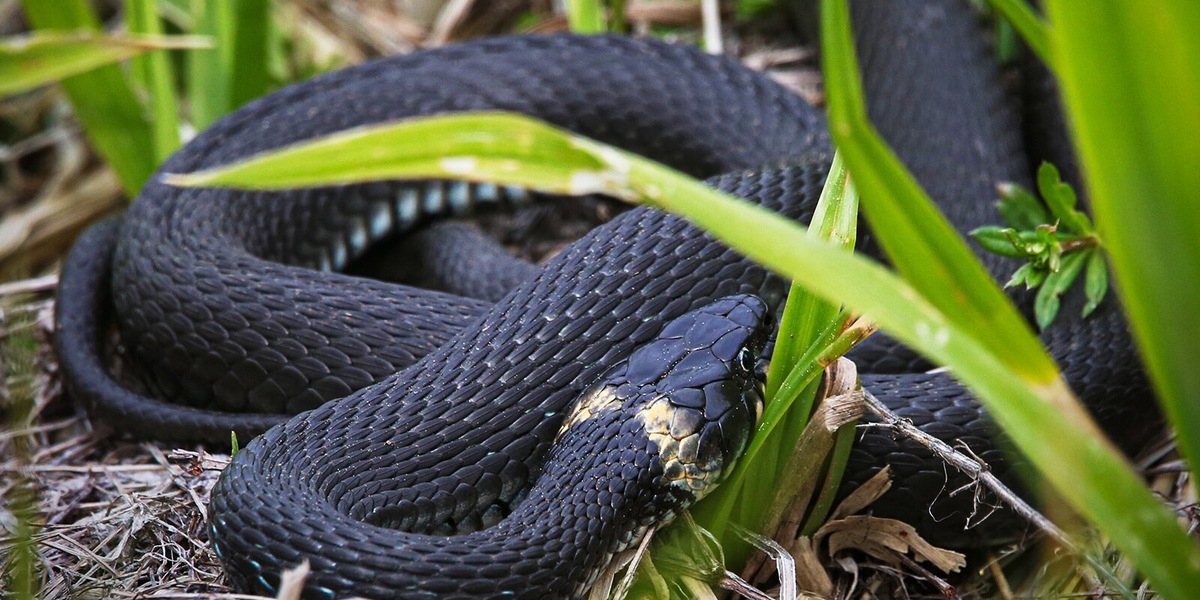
(251, 35)
(209, 77)
(1027, 22)
(31, 61)
(156, 74)
(922, 244)
(516, 150)
(809, 324)
(804, 318)
(1130, 76)
(586, 16)
(1086, 470)
(110, 112)
(466, 145)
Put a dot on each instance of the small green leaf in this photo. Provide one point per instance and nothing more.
(1020, 276)
(1061, 199)
(999, 240)
(1050, 185)
(1054, 260)
(1020, 208)
(233, 443)
(1050, 252)
(1072, 266)
(1095, 281)
(1046, 304)
(1036, 277)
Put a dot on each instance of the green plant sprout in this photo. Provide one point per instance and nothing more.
(1057, 240)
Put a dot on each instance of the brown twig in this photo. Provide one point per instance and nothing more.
(973, 467)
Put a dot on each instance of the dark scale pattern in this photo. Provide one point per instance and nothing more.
(218, 310)
(603, 482)
(459, 258)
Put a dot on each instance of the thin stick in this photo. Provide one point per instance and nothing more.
(37, 284)
(973, 467)
(979, 471)
(710, 11)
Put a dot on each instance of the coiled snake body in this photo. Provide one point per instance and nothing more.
(224, 304)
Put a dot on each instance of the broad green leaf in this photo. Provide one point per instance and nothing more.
(1130, 78)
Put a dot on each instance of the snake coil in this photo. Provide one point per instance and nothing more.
(429, 414)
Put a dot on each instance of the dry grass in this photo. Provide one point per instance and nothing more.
(114, 518)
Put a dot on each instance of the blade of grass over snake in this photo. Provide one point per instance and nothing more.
(1130, 76)
(918, 239)
(515, 150)
(807, 326)
(1083, 466)
(106, 105)
(803, 319)
(466, 145)
(156, 74)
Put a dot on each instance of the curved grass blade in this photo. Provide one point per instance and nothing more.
(1130, 77)
(41, 58)
(1084, 467)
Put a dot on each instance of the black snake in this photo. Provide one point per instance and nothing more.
(226, 305)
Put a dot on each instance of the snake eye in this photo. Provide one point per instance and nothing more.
(745, 360)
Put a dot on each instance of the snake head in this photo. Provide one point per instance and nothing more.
(688, 398)
(708, 391)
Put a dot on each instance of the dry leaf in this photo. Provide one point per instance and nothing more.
(864, 495)
(810, 571)
(885, 539)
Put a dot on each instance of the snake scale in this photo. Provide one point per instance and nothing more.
(432, 459)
